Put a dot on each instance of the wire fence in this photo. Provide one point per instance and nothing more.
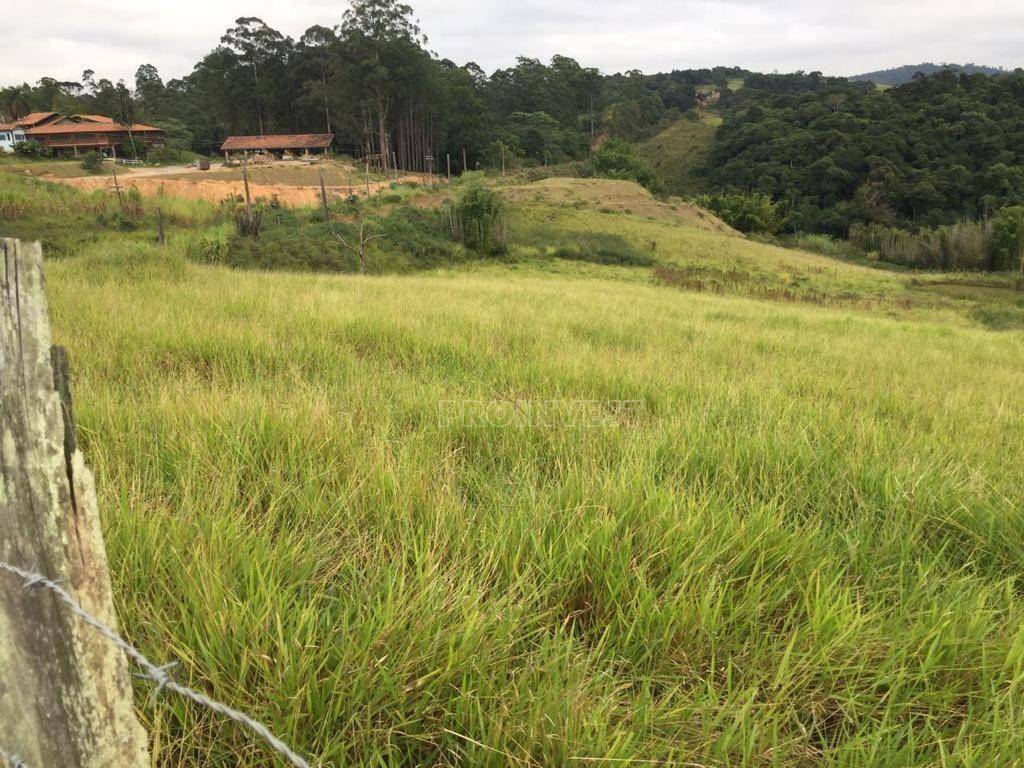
(159, 675)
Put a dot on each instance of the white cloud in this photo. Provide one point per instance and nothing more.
(60, 38)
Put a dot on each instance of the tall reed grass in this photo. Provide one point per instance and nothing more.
(966, 245)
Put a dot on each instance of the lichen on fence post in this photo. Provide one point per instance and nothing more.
(65, 693)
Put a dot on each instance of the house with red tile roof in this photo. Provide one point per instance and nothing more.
(78, 134)
(290, 143)
(13, 132)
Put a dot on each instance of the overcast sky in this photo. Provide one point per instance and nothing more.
(60, 38)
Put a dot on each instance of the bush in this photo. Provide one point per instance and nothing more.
(478, 219)
(747, 212)
(616, 159)
(131, 204)
(92, 162)
(1008, 239)
(249, 221)
(168, 155)
(31, 149)
(419, 234)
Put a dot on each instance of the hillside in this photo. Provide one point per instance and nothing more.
(906, 73)
(910, 156)
(680, 152)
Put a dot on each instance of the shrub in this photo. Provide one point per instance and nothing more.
(616, 159)
(478, 219)
(131, 204)
(167, 155)
(419, 234)
(92, 162)
(1008, 239)
(31, 149)
(745, 211)
(249, 221)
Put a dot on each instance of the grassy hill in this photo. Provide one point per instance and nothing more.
(679, 152)
(726, 504)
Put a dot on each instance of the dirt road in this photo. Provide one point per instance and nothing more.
(189, 182)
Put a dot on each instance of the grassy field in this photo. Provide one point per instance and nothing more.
(728, 505)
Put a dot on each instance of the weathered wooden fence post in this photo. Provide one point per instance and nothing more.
(65, 692)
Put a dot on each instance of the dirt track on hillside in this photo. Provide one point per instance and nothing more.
(216, 190)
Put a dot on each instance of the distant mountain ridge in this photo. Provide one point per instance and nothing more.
(904, 74)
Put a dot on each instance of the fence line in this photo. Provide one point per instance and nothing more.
(150, 671)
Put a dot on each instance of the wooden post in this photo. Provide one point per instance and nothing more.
(448, 160)
(159, 226)
(367, 179)
(65, 692)
(323, 197)
(503, 160)
(245, 181)
(117, 187)
(464, 167)
(394, 163)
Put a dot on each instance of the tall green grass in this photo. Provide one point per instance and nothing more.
(800, 544)
(26, 198)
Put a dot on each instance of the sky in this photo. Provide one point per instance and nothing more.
(61, 38)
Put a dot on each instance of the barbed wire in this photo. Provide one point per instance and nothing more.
(12, 759)
(150, 671)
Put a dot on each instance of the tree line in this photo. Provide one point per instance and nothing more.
(372, 81)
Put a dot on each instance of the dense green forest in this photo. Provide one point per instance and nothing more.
(835, 154)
